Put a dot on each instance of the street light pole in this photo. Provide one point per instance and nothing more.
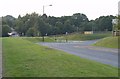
(43, 14)
(44, 8)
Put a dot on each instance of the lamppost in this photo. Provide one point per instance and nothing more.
(44, 8)
(43, 14)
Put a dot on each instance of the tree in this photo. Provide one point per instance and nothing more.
(43, 27)
(104, 23)
(59, 27)
(9, 20)
(32, 32)
(5, 30)
(78, 18)
(68, 27)
(118, 25)
(20, 28)
(51, 25)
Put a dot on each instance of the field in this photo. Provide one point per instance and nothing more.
(23, 58)
(73, 36)
(39, 39)
(78, 36)
(109, 42)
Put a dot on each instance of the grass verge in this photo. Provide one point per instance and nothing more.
(38, 39)
(83, 37)
(109, 42)
(23, 58)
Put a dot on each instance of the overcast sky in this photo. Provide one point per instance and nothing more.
(92, 8)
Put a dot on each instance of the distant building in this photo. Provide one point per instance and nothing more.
(13, 33)
(88, 32)
(115, 30)
(114, 21)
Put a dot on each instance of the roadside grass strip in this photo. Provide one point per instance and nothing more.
(109, 42)
(22, 58)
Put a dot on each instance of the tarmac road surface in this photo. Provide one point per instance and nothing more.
(85, 50)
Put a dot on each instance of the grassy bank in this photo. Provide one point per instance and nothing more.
(23, 58)
(109, 42)
(73, 36)
(39, 39)
(78, 36)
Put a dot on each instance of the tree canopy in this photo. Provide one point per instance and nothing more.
(37, 25)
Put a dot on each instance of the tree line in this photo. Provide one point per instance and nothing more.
(41, 25)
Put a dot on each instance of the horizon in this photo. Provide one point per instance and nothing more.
(92, 9)
(54, 16)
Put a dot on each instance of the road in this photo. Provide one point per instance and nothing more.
(85, 50)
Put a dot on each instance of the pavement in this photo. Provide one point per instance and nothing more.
(85, 50)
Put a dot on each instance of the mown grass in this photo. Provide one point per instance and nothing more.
(109, 42)
(83, 37)
(23, 58)
(39, 39)
(74, 36)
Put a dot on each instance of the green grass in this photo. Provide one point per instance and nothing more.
(39, 39)
(82, 37)
(109, 42)
(23, 58)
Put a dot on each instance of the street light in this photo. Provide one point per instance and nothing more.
(44, 8)
(43, 14)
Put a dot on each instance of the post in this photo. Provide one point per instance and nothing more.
(66, 37)
(43, 39)
(43, 9)
(43, 14)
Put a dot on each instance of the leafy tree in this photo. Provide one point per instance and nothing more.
(104, 23)
(59, 27)
(34, 24)
(78, 18)
(32, 32)
(43, 27)
(9, 20)
(20, 27)
(5, 30)
(68, 27)
(118, 25)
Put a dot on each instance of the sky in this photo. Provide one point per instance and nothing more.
(91, 8)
